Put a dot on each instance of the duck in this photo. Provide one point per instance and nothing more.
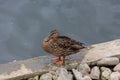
(60, 46)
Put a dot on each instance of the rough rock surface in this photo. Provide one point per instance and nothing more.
(34, 78)
(105, 73)
(46, 76)
(63, 74)
(95, 73)
(84, 68)
(86, 78)
(78, 75)
(102, 50)
(108, 61)
(117, 68)
(115, 76)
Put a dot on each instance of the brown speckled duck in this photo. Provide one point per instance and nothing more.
(60, 46)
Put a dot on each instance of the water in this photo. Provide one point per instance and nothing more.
(24, 23)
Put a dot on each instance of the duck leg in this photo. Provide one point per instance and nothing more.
(60, 60)
(56, 59)
(63, 59)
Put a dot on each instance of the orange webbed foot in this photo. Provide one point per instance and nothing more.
(59, 61)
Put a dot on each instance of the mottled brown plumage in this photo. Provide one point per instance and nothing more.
(60, 46)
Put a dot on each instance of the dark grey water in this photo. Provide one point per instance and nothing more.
(24, 23)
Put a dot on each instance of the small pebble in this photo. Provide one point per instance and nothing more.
(115, 76)
(77, 74)
(84, 68)
(34, 78)
(117, 68)
(86, 78)
(95, 73)
(47, 76)
(105, 73)
(63, 74)
(54, 75)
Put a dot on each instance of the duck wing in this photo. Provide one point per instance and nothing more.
(69, 44)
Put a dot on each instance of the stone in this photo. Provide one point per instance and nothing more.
(102, 50)
(47, 76)
(105, 74)
(105, 69)
(111, 61)
(115, 76)
(63, 74)
(84, 68)
(54, 75)
(86, 78)
(34, 78)
(117, 68)
(77, 74)
(95, 73)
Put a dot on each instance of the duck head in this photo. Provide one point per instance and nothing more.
(53, 34)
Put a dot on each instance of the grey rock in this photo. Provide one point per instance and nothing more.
(95, 73)
(102, 50)
(63, 74)
(86, 78)
(105, 74)
(78, 75)
(47, 76)
(34, 78)
(112, 61)
(115, 76)
(84, 68)
(54, 75)
(105, 69)
(117, 68)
